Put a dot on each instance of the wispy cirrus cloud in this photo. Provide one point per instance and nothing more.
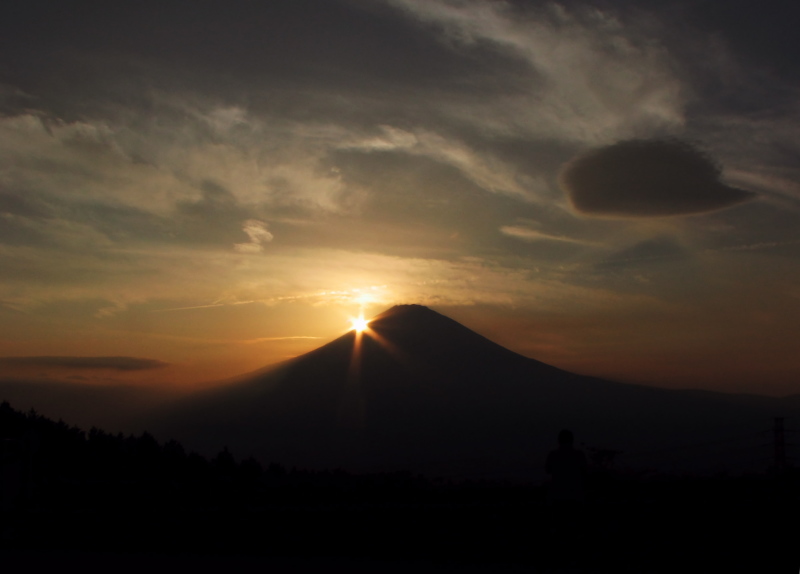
(591, 78)
(490, 173)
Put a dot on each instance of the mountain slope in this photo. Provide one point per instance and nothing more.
(419, 391)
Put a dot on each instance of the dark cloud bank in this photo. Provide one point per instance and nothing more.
(113, 363)
(647, 178)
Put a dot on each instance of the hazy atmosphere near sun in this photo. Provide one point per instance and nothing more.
(190, 190)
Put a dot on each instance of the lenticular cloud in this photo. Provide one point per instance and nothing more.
(647, 178)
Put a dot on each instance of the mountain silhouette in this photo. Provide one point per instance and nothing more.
(418, 391)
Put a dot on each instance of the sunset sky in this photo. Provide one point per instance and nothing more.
(190, 190)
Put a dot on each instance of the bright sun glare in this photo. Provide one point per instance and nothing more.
(359, 324)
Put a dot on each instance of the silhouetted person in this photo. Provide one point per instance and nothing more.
(568, 469)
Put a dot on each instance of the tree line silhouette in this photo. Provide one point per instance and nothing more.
(56, 465)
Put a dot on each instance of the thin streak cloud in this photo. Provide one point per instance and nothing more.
(528, 234)
(110, 363)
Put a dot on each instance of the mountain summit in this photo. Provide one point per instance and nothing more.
(424, 333)
(414, 347)
(418, 391)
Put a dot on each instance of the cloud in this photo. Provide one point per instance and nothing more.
(258, 234)
(112, 363)
(647, 178)
(761, 149)
(484, 170)
(585, 75)
(645, 252)
(527, 234)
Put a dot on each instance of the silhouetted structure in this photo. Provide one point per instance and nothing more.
(568, 469)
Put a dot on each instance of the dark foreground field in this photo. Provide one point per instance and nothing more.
(398, 523)
(96, 501)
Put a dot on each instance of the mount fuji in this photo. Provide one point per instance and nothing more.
(418, 391)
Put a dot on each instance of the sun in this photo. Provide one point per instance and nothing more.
(359, 324)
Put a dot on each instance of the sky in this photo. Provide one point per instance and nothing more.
(190, 190)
